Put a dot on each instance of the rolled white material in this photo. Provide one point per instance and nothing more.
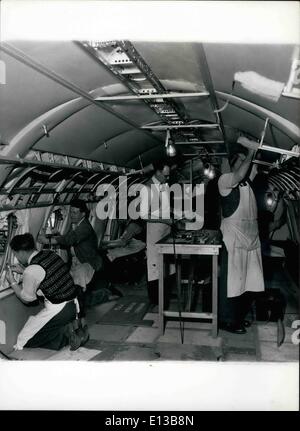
(245, 142)
(258, 84)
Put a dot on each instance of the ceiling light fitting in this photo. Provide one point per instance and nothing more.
(170, 148)
(46, 133)
(209, 171)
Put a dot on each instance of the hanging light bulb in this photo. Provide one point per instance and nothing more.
(270, 199)
(206, 169)
(170, 148)
(209, 171)
(211, 174)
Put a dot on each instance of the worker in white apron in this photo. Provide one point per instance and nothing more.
(155, 209)
(241, 265)
(82, 244)
(46, 277)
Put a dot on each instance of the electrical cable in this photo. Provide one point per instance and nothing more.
(227, 101)
(10, 230)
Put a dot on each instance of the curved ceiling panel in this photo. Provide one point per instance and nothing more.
(173, 61)
(199, 109)
(82, 133)
(137, 111)
(29, 94)
(253, 125)
(26, 95)
(125, 147)
(68, 60)
(270, 61)
(141, 161)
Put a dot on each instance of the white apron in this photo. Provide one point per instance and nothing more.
(35, 323)
(240, 235)
(82, 273)
(155, 232)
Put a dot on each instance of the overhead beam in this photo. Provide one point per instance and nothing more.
(136, 58)
(279, 150)
(25, 59)
(198, 142)
(33, 130)
(207, 79)
(260, 162)
(42, 204)
(127, 51)
(206, 154)
(182, 126)
(36, 191)
(151, 96)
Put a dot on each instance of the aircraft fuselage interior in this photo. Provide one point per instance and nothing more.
(210, 133)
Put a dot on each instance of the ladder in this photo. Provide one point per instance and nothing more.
(121, 58)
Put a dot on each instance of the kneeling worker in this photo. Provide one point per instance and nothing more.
(46, 277)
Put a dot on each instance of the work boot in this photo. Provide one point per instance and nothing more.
(73, 337)
(83, 333)
(232, 327)
(247, 323)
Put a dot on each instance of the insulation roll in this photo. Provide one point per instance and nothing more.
(245, 142)
(260, 85)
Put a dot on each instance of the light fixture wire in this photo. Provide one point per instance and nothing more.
(216, 111)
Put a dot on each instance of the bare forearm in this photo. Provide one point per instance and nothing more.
(240, 174)
(13, 283)
(17, 289)
(54, 240)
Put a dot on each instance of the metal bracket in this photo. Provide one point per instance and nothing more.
(263, 133)
(46, 132)
(198, 142)
(182, 126)
(123, 60)
(274, 149)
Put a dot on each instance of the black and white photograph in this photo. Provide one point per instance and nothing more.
(149, 206)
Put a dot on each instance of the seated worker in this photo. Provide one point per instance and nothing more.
(81, 242)
(121, 254)
(46, 277)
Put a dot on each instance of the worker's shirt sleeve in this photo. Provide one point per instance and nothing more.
(226, 183)
(32, 278)
(74, 237)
